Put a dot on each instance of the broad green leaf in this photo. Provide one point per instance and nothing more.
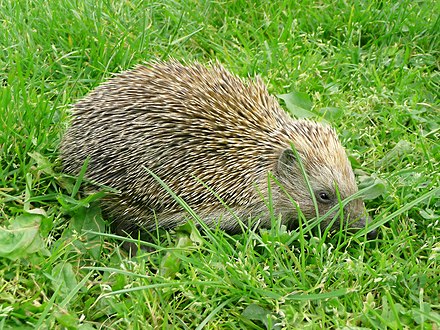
(42, 162)
(257, 313)
(298, 104)
(170, 265)
(331, 113)
(394, 155)
(372, 188)
(22, 236)
(187, 236)
(67, 320)
(64, 277)
(89, 222)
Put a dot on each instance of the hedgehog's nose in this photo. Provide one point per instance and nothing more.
(365, 220)
(372, 234)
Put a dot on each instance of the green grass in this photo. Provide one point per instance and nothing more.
(374, 64)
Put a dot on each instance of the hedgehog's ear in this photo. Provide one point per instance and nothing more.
(286, 160)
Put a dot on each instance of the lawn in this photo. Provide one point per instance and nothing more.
(369, 68)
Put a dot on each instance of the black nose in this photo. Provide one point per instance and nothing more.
(372, 234)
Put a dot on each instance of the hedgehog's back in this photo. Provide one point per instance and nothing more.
(190, 125)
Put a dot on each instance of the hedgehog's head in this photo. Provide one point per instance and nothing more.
(328, 171)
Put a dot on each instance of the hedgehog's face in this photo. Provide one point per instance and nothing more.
(330, 182)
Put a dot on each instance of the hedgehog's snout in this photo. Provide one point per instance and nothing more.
(363, 222)
(372, 234)
(366, 220)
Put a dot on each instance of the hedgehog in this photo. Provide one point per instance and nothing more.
(220, 142)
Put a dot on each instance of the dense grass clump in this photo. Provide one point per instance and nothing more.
(369, 68)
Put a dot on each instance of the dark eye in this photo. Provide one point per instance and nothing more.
(323, 197)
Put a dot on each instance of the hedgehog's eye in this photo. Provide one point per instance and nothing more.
(323, 197)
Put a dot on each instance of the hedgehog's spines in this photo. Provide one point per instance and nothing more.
(190, 124)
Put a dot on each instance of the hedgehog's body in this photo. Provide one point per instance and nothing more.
(191, 125)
